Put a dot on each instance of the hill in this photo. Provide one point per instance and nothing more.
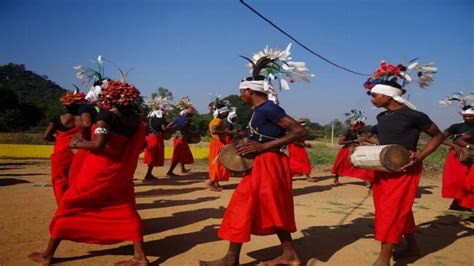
(28, 100)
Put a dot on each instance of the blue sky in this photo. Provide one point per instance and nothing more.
(193, 47)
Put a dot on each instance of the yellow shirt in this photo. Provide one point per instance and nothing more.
(217, 124)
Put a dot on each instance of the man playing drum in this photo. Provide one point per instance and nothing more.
(217, 172)
(262, 204)
(394, 193)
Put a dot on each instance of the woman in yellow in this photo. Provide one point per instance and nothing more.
(217, 172)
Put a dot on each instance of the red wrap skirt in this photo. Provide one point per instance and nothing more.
(394, 194)
(217, 172)
(343, 167)
(262, 202)
(155, 150)
(99, 207)
(454, 177)
(181, 152)
(61, 160)
(467, 198)
(299, 160)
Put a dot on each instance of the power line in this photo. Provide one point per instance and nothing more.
(302, 45)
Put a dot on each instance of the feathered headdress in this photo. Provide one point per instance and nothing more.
(118, 93)
(356, 116)
(462, 101)
(88, 74)
(271, 64)
(218, 105)
(185, 106)
(158, 105)
(386, 79)
(73, 97)
(232, 114)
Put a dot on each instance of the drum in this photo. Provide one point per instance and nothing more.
(194, 138)
(229, 158)
(386, 158)
(465, 155)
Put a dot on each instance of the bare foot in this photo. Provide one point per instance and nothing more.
(38, 257)
(280, 261)
(406, 253)
(150, 178)
(132, 262)
(337, 183)
(380, 262)
(311, 179)
(225, 261)
(185, 170)
(171, 174)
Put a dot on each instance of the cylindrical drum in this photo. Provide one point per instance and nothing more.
(229, 158)
(386, 158)
(465, 155)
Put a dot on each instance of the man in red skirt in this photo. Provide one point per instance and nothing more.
(299, 159)
(394, 193)
(262, 203)
(466, 200)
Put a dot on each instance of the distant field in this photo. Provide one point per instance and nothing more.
(30, 145)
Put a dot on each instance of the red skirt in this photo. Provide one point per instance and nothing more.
(99, 207)
(467, 198)
(343, 167)
(61, 160)
(181, 152)
(394, 194)
(299, 160)
(262, 202)
(454, 177)
(217, 172)
(155, 150)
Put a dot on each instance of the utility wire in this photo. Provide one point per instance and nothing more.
(302, 45)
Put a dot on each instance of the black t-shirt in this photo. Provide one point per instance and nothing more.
(228, 125)
(115, 124)
(155, 125)
(373, 130)
(264, 122)
(457, 130)
(402, 126)
(91, 109)
(57, 122)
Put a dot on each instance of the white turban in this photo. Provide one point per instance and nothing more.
(393, 92)
(261, 86)
(469, 111)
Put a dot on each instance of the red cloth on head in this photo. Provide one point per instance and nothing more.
(217, 172)
(467, 198)
(181, 152)
(394, 194)
(61, 160)
(299, 160)
(454, 177)
(262, 202)
(99, 207)
(343, 167)
(155, 150)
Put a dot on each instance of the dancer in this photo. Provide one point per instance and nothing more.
(64, 127)
(217, 172)
(394, 193)
(466, 200)
(456, 172)
(229, 125)
(299, 159)
(157, 126)
(349, 139)
(181, 151)
(99, 207)
(262, 203)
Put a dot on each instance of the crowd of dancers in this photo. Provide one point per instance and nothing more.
(99, 139)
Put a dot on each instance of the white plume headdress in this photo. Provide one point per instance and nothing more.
(185, 106)
(271, 64)
(158, 105)
(356, 116)
(463, 101)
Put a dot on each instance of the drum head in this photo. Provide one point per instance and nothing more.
(393, 157)
(465, 155)
(229, 158)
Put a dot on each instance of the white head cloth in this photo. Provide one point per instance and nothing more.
(469, 111)
(262, 86)
(93, 94)
(392, 92)
(157, 113)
